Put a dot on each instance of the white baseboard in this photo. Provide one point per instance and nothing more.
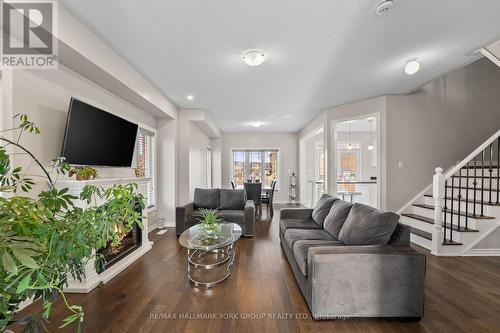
(482, 252)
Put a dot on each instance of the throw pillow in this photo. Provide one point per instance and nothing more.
(206, 198)
(323, 208)
(232, 199)
(336, 217)
(366, 225)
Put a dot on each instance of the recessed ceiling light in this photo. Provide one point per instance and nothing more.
(256, 124)
(253, 57)
(412, 66)
(190, 97)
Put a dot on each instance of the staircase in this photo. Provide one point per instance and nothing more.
(461, 207)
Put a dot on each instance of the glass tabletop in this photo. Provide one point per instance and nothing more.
(196, 238)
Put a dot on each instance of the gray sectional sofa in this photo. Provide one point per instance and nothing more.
(232, 204)
(353, 261)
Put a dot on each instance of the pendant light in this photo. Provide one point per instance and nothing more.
(370, 143)
(350, 142)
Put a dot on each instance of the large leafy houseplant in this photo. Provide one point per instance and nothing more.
(45, 238)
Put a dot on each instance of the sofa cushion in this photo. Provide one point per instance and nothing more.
(232, 199)
(206, 198)
(366, 225)
(336, 217)
(293, 235)
(301, 247)
(235, 216)
(297, 224)
(322, 208)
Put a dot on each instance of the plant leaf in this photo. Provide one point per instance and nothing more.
(23, 285)
(8, 263)
(24, 257)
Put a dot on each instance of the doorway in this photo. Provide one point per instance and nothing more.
(313, 180)
(357, 159)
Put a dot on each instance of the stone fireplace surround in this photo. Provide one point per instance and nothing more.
(92, 278)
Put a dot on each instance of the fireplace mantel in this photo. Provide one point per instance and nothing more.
(92, 278)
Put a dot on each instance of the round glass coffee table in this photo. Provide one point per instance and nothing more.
(210, 256)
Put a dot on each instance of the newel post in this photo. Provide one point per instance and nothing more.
(438, 193)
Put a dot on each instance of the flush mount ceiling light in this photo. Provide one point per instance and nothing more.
(190, 97)
(383, 7)
(253, 57)
(412, 66)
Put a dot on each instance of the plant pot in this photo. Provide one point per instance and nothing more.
(80, 178)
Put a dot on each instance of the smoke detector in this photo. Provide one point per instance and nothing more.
(383, 7)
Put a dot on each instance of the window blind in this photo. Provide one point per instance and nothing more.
(146, 162)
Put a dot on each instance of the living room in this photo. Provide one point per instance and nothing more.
(232, 167)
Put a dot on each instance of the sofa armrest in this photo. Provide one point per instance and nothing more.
(366, 281)
(401, 235)
(249, 218)
(296, 213)
(180, 217)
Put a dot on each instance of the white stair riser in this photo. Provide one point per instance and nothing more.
(471, 223)
(487, 210)
(421, 225)
(470, 193)
(464, 181)
(479, 172)
(423, 242)
(457, 236)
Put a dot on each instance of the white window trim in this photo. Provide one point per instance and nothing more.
(278, 168)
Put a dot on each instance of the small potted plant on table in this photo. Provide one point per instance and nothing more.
(210, 220)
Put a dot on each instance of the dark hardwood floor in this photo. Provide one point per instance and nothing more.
(462, 295)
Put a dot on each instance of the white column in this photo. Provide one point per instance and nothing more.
(438, 191)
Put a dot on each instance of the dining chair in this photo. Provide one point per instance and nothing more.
(233, 184)
(267, 199)
(254, 192)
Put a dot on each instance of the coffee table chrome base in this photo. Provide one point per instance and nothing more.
(201, 262)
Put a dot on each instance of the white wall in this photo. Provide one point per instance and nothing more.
(167, 184)
(287, 143)
(197, 159)
(307, 169)
(45, 95)
(196, 130)
(438, 125)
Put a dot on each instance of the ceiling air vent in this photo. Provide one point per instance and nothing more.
(383, 7)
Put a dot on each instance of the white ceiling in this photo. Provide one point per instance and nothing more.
(319, 53)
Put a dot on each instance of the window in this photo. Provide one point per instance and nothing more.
(145, 163)
(256, 165)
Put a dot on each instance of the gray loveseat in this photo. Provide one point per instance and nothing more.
(353, 261)
(232, 204)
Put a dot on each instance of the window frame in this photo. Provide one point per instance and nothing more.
(246, 152)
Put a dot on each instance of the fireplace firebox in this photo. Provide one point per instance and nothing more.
(129, 242)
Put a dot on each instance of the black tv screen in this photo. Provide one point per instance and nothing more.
(96, 137)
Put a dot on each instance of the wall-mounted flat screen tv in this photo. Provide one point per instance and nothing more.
(96, 137)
